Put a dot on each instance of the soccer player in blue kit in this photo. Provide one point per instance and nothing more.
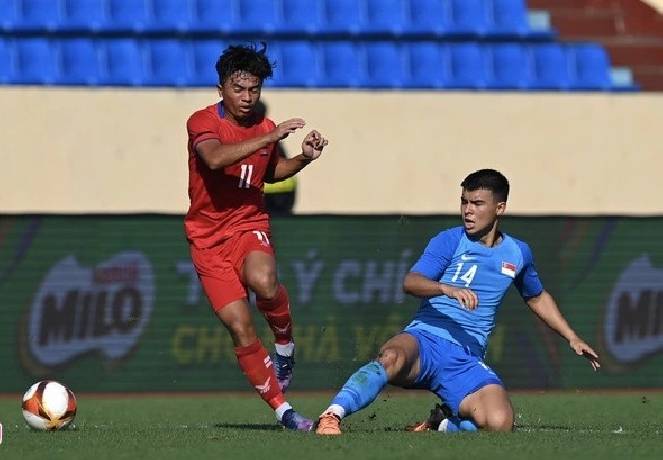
(461, 278)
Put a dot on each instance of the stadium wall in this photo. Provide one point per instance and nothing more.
(124, 151)
(111, 303)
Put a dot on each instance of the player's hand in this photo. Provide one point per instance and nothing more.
(286, 128)
(313, 144)
(582, 349)
(467, 298)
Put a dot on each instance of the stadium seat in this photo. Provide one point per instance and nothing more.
(7, 64)
(301, 16)
(170, 15)
(36, 63)
(508, 67)
(84, 15)
(79, 62)
(385, 17)
(8, 14)
(591, 67)
(38, 15)
(214, 15)
(342, 17)
(467, 18)
(168, 63)
(122, 62)
(340, 65)
(205, 53)
(467, 68)
(384, 65)
(549, 67)
(256, 16)
(427, 17)
(508, 18)
(127, 16)
(428, 64)
(297, 64)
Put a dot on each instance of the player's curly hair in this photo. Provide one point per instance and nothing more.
(488, 179)
(244, 58)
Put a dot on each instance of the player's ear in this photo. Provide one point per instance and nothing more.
(219, 87)
(501, 208)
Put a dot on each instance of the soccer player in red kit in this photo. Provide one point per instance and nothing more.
(232, 153)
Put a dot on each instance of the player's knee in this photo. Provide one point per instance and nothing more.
(264, 284)
(391, 359)
(242, 331)
(499, 420)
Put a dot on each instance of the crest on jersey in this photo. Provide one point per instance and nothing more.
(509, 269)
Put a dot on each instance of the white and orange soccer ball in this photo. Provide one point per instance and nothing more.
(49, 405)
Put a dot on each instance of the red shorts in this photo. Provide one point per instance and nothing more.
(219, 268)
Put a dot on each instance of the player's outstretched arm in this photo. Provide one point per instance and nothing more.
(312, 148)
(545, 307)
(217, 155)
(420, 286)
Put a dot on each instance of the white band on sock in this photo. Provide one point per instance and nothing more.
(285, 350)
(281, 410)
(337, 410)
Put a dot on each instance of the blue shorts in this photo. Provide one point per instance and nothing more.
(449, 370)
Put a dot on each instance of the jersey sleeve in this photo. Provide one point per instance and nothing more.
(438, 254)
(202, 126)
(527, 281)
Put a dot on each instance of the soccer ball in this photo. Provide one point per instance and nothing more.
(49, 405)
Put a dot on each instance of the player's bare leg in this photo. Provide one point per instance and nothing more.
(259, 273)
(256, 365)
(397, 363)
(490, 408)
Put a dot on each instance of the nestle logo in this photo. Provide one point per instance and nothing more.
(80, 309)
(633, 326)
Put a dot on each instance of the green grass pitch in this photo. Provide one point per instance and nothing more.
(587, 425)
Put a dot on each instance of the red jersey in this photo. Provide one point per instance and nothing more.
(230, 199)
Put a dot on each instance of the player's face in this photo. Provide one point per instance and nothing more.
(240, 93)
(479, 210)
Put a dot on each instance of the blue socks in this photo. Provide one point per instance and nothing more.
(456, 424)
(361, 389)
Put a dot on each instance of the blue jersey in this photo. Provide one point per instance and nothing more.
(452, 258)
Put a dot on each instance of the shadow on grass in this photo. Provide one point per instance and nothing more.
(249, 426)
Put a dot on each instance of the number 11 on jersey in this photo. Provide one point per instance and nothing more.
(245, 176)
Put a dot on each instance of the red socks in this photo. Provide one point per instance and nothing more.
(277, 314)
(257, 366)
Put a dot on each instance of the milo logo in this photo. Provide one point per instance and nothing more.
(633, 326)
(80, 309)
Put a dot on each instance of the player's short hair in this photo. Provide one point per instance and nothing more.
(244, 58)
(488, 179)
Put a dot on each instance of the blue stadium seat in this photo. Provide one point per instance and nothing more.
(301, 16)
(467, 67)
(84, 15)
(342, 17)
(79, 62)
(385, 17)
(467, 18)
(8, 14)
(591, 67)
(130, 16)
(509, 67)
(39, 15)
(428, 62)
(549, 67)
(122, 62)
(340, 65)
(509, 18)
(205, 55)
(36, 63)
(214, 15)
(257, 16)
(297, 64)
(385, 66)
(428, 17)
(168, 63)
(170, 15)
(7, 64)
